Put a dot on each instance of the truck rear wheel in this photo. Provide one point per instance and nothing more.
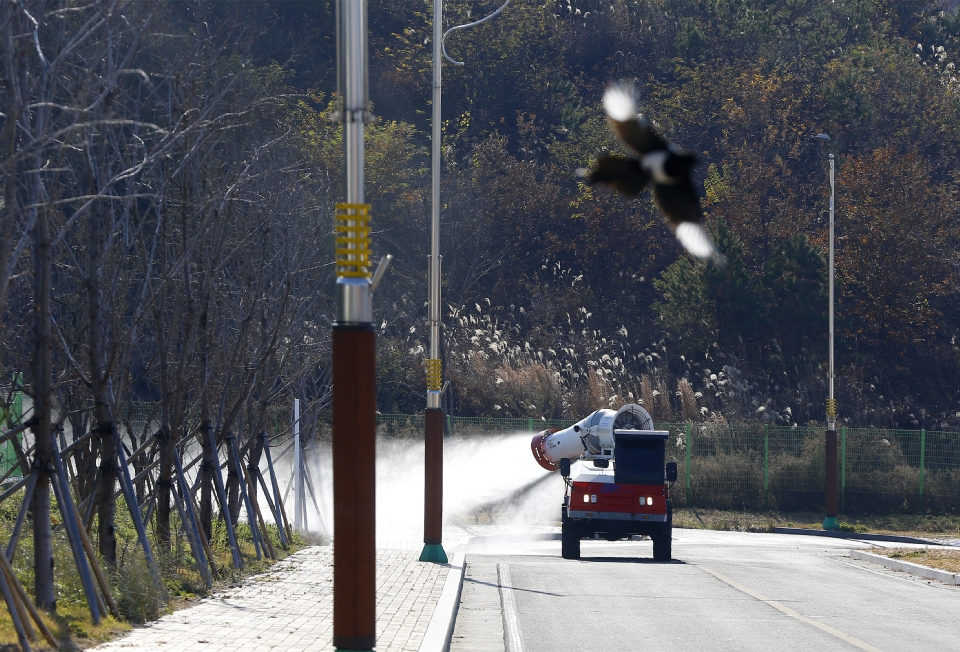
(569, 542)
(662, 543)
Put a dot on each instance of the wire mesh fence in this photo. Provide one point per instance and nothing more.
(750, 467)
(758, 467)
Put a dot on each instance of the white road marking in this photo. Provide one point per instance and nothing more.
(511, 626)
(793, 614)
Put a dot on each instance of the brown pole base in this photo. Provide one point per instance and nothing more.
(832, 472)
(354, 487)
(433, 487)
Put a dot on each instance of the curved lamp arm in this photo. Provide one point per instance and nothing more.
(443, 41)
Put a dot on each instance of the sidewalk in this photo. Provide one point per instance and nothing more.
(291, 608)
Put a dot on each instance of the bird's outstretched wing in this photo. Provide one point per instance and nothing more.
(623, 174)
(620, 105)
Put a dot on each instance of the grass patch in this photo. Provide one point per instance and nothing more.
(746, 521)
(948, 560)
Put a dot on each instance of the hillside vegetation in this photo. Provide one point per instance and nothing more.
(561, 298)
(213, 214)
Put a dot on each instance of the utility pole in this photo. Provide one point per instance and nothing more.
(433, 415)
(830, 452)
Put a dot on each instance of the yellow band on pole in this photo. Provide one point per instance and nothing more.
(353, 240)
(831, 408)
(434, 374)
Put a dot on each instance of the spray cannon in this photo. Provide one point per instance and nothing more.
(592, 438)
(631, 499)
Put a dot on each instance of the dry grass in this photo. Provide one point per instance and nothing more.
(71, 626)
(948, 560)
(748, 521)
(741, 521)
(688, 400)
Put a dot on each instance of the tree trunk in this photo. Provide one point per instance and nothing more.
(256, 451)
(44, 594)
(233, 484)
(165, 439)
(164, 485)
(106, 425)
(206, 468)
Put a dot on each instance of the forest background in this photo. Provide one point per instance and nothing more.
(170, 172)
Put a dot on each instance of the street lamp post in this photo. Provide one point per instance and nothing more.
(830, 453)
(433, 415)
(354, 369)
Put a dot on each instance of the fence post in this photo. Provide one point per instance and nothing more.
(923, 454)
(843, 468)
(449, 425)
(530, 423)
(766, 466)
(689, 443)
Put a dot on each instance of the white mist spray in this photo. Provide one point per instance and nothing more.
(485, 478)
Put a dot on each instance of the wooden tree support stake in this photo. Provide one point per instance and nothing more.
(95, 564)
(268, 544)
(61, 487)
(127, 487)
(14, 583)
(224, 511)
(251, 517)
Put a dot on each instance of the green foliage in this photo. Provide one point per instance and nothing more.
(794, 281)
(704, 303)
(745, 84)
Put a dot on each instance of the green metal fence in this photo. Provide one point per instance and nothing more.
(12, 416)
(759, 467)
(755, 467)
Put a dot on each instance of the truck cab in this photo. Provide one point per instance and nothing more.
(631, 498)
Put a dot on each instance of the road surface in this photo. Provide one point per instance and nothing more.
(724, 591)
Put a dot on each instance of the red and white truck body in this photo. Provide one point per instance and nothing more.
(618, 484)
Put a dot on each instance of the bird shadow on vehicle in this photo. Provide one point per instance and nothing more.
(633, 560)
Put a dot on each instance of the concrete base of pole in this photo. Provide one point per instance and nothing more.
(831, 523)
(434, 553)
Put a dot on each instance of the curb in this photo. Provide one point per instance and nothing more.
(854, 535)
(440, 630)
(907, 567)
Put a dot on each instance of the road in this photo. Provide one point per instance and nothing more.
(723, 591)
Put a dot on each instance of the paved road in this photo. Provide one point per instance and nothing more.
(724, 591)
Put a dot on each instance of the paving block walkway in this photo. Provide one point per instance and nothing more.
(291, 608)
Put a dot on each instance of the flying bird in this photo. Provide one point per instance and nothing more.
(656, 161)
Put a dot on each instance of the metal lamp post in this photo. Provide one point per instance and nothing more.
(830, 453)
(433, 415)
(354, 370)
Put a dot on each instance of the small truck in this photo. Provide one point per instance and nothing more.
(600, 502)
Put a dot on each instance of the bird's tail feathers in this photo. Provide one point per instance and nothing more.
(695, 239)
(620, 101)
